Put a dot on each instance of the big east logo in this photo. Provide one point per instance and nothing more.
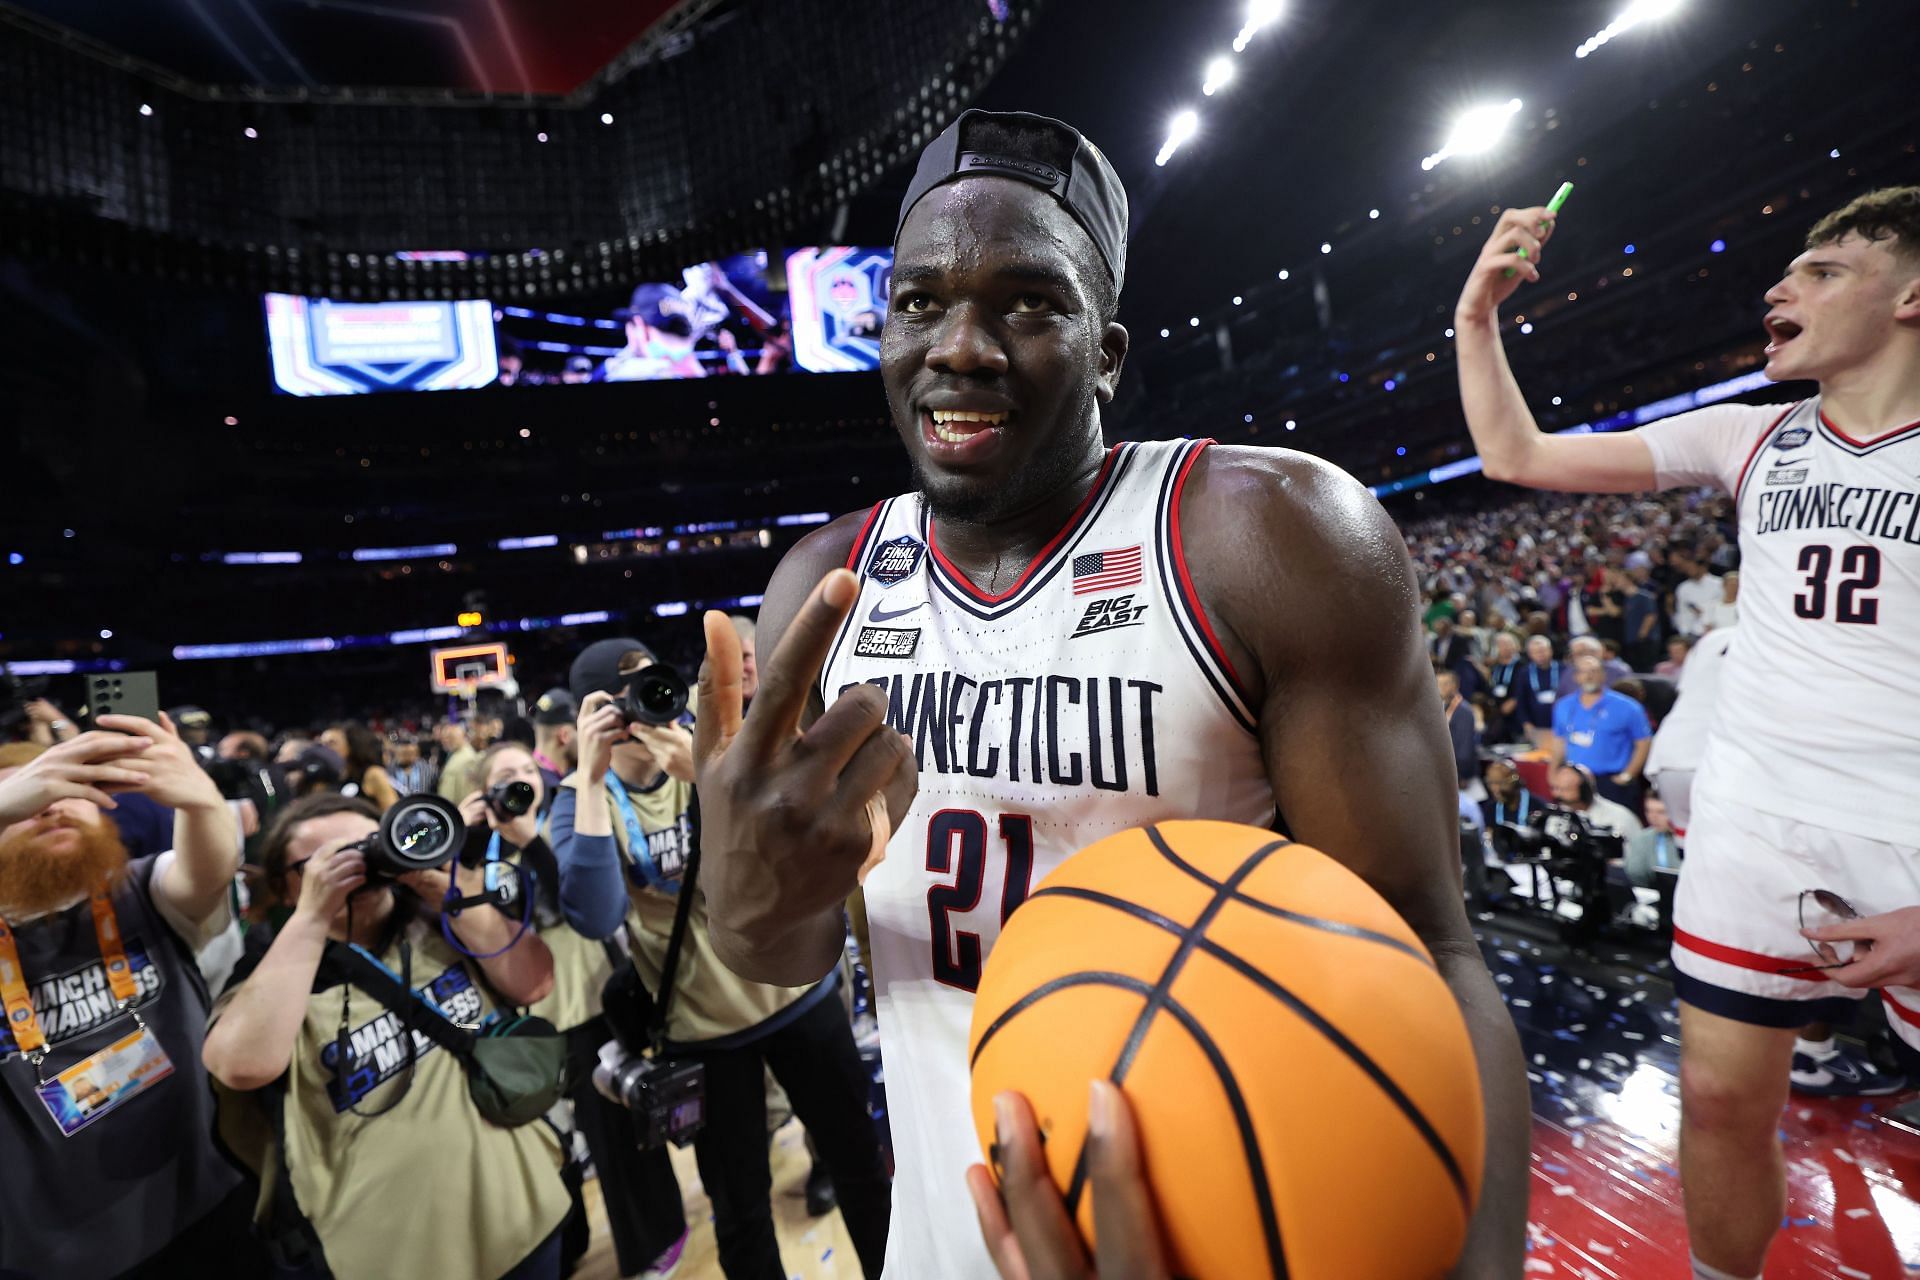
(1107, 615)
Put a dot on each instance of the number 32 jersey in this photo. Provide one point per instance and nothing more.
(1818, 712)
(1089, 697)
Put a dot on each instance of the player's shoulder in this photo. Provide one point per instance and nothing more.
(827, 547)
(1290, 506)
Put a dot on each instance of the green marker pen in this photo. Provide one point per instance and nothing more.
(1553, 206)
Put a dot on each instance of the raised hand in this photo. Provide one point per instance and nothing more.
(90, 767)
(174, 776)
(787, 812)
(1511, 255)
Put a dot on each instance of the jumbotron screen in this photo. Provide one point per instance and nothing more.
(811, 310)
(326, 348)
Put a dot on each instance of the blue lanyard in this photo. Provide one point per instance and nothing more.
(1553, 679)
(639, 854)
(420, 994)
(1500, 808)
(1507, 679)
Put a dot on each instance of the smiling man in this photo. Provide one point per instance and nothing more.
(1811, 776)
(1049, 641)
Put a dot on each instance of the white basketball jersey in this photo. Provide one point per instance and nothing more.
(1088, 698)
(1818, 713)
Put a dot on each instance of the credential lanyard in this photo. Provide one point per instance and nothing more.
(13, 980)
(1553, 677)
(638, 851)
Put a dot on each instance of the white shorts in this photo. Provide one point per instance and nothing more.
(1736, 922)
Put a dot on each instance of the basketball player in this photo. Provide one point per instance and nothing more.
(1052, 641)
(1811, 773)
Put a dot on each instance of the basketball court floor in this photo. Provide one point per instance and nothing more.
(1601, 1037)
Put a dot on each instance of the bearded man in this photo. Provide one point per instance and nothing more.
(111, 1168)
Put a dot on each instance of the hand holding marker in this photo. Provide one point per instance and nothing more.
(1553, 206)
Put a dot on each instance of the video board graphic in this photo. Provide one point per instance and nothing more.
(839, 301)
(325, 348)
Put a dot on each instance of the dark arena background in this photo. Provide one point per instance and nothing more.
(317, 398)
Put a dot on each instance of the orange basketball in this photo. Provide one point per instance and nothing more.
(1306, 1095)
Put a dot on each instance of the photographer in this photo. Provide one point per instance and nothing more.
(624, 830)
(106, 1005)
(390, 1162)
(638, 1188)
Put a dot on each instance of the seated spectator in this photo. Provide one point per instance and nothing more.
(394, 1125)
(1573, 788)
(1642, 618)
(1656, 848)
(366, 773)
(1539, 690)
(1676, 659)
(1604, 732)
(1460, 726)
(1507, 801)
(1504, 672)
(132, 1185)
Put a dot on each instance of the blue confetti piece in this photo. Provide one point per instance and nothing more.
(1862, 1124)
(1783, 1134)
(826, 1255)
(1866, 1108)
(1553, 1168)
(1669, 1170)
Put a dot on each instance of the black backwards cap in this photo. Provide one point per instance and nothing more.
(1091, 192)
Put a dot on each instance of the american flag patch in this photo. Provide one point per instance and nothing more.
(1106, 570)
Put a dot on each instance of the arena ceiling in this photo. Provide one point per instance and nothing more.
(495, 46)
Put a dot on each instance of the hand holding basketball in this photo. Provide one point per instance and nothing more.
(1025, 1221)
(784, 813)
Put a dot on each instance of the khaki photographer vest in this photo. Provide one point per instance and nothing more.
(711, 1001)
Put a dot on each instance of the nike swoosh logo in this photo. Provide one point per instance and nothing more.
(888, 615)
(1788, 462)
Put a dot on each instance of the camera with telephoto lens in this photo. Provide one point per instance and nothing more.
(1573, 853)
(655, 695)
(668, 1099)
(419, 833)
(510, 799)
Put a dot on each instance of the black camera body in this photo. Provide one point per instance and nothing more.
(668, 1099)
(510, 799)
(419, 833)
(655, 694)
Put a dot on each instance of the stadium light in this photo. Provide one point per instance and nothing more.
(1259, 14)
(146, 109)
(1636, 13)
(1284, 273)
(1477, 131)
(1179, 130)
(1219, 76)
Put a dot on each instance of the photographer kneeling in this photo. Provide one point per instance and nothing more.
(625, 830)
(390, 1160)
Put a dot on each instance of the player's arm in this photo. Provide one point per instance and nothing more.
(1511, 445)
(784, 792)
(1355, 744)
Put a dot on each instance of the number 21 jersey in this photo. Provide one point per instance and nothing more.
(1089, 697)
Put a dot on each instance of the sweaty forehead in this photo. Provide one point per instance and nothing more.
(984, 226)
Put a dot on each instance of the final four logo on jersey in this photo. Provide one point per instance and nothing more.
(1108, 615)
(1792, 438)
(894, 561)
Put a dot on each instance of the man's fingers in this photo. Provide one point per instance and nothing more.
(98, 744)
(1521, 242)
(1123, 1217)
(138, 725)
(873, 768)
(722, 679)
(1002, 1245)
(1862, 930)
(1048, 1240)
(105, 774)
(64, 790)
(789, 675)
(833, 739)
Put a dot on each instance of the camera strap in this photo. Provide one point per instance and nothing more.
(380, 982)
(682, 909)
